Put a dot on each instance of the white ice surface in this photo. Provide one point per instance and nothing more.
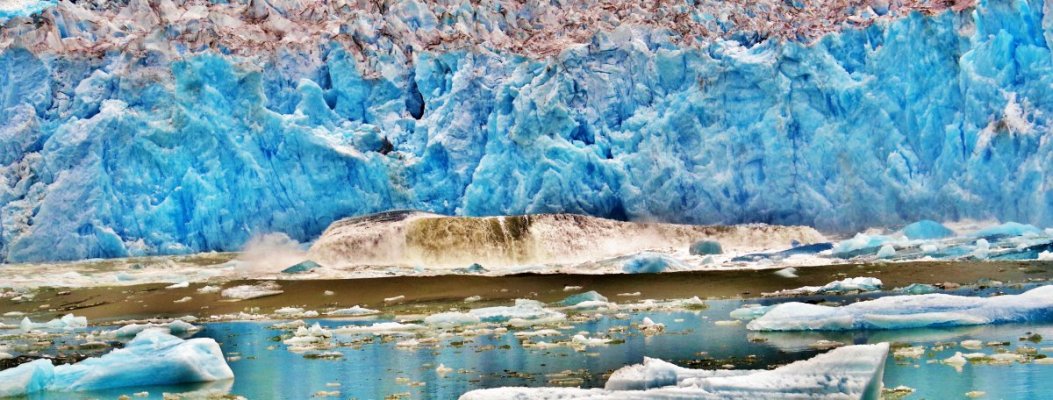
(910, 311)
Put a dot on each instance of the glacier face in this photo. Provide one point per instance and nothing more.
(939, 115)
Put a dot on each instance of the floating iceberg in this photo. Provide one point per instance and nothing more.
(152, 358)
(176, 327)
(652, 263)
(590, 296)
(67, 322)
(910, 311)
(523, 313)
(356, 311)
(860, 284)
(246, 292)
(845, 372)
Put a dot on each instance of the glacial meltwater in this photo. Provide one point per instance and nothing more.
(365, 366)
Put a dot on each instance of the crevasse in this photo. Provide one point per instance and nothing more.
(940, 116)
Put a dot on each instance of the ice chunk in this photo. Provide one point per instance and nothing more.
(651, 263)
(380, 328)
(355, 311)
(1007, 229)
(705, 247)
(176, 327)
(910, 311)
(887, 251)
(246, 292)
(927, 230)
(790, 272)
(152, 358)
(750, 312)
(303, 267)
(861, 284)
(860, 244)
(844, 372)
(523, 313)
(67, 322)
(591, 295)
(917, 288)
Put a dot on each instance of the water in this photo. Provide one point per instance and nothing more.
(377, 368)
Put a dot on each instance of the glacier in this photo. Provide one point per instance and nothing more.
(851, 372)
(903, 312)
(172, 127)
(153, 357)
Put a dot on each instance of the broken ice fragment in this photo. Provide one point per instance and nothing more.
(705, 247)
(303, 267)
(152, 358)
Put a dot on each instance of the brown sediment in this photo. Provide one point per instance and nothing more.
(423, 294)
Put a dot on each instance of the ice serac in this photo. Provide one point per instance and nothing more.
(910, 311)
(153, 357)
(131, 129)
(851, 372)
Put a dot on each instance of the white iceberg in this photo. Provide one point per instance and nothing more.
(862, 284)
(846, 372)
(246, 292)
(356, 311)
(176, 327)
(910, 311)
(152, 358)
(67, 322)
(524, 313)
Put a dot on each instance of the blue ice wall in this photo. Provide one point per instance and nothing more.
(940, 117)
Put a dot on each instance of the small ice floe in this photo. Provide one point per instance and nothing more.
(975, 394)
(395, 299)
(823, 344)
(537, 333)
(355, 311)
(208, 289)
(524, 313)
(311, 338)
(860, 284)
(694, 303)
(176, 327)
(571, 288)
(328, 293)
(972, 344)
(749, 312)
(185, 299)
(632, 294)
(443, 369)
(845, 372)
(790, 272)
(590, 300)
(247, 292)
(582, 340)
(180, 285)
(909, 311)
(67, 322)
(153, 357)
(732, 322)
(295, 312)
(380, 328)
(917, 288)
(472, 299)
(909, 352)
(649, 327)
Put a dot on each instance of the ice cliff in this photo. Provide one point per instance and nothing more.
(172, 126)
